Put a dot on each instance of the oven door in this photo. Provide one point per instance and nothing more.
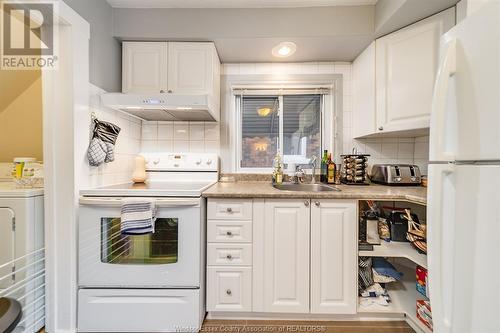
(168, 258)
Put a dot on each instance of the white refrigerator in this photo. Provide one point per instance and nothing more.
(464, 178)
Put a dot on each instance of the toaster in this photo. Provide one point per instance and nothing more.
(396, 174)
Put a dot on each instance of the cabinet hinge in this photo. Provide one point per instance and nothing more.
(13, 224)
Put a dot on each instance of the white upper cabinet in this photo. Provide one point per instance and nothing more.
(401, 67)
(286, 256)
(144, 67)
(174, 67)
(191, 67)
(333, 257)
(406, 67)
(363, 76)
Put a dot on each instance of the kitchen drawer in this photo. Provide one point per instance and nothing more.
(229, 254)
(138, 310)
(229, 289)
(229, 231)
(229, 209)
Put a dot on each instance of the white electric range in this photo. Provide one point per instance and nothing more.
(153, 282)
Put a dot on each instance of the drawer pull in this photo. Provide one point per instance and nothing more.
(229, 233)
(229, 292)
(229, 256)
(229, 210)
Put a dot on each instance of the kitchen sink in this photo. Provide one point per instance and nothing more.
(305, 187)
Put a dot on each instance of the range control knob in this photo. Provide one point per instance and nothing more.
(209, 161)
(198, 161)
(155, 162)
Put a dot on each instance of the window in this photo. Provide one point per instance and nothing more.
(269, 122)
(259, 131)
(157, 248)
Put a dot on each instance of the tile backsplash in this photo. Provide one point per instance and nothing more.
(171, 136)
(180, 136)
(128, 144)
(396, 150)
(421, 153)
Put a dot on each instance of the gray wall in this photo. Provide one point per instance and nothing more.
(391, 15)
(248, 35)
(105, 50)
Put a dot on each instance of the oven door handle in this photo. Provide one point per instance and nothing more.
(117, 202)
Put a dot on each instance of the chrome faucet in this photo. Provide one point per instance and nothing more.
(299, 174)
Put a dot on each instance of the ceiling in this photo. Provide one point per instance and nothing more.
(235, 3)
(330, 30)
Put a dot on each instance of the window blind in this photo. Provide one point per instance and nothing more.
(250, 91)
(291, 122)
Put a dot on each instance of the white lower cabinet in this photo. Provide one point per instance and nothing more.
(229, 289)
(305, 256)
(286, 260)
(229, 255)
(301, 257)
(333, 257)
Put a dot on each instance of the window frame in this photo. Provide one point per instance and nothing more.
(327, 133)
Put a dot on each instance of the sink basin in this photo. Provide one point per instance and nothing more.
(305, 187)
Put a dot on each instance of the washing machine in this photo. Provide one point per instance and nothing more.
(22, 258)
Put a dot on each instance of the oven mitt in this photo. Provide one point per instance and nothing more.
(97, 152)
(110, 152)
(107, 133)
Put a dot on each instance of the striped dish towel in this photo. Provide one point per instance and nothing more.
(138, 217)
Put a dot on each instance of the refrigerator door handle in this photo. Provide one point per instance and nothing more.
(447, 69)
(438, 277)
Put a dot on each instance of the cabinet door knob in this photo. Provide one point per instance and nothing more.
(229, 233)
(229, 257)
(162, 91)
(229, 210)
(380, 128)
(317, 203)
(170, 91)
(229, 292)
(306, 203)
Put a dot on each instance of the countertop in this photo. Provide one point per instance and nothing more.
(261, 189)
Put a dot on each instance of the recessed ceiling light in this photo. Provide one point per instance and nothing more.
(284, 49)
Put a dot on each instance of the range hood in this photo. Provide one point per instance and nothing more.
(160, 107)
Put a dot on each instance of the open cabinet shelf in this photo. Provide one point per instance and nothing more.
(403, 296)
(396, 250)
